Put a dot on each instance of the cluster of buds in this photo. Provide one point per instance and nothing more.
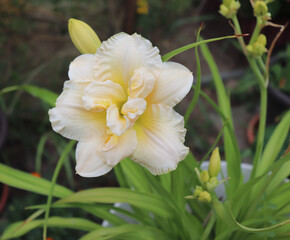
(258, 48)
(229, 8)
(208, 179)
(261, 10)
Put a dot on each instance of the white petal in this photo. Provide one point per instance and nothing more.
(70, 119)
(134, 108)
(120, 55)
(173, 84)
(115, 122)
(93, 161)
(141, 83)
(81, 68)
(160, 138)
(101, 95)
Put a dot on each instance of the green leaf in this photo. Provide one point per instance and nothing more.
(175, 52)
(194, 100)
(18, 229)
(28, 182)
(135, 175)
(274, 144)
(225, 214)
(233, 156)
(43, 94)
(145, 201)
(128, 232)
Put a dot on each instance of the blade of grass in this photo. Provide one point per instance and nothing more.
(175, 52)
(194, 100)
(233, 156)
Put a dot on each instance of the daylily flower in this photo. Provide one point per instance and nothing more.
(119, 103)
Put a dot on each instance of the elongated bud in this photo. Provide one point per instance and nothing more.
(83, 36)
(204, 197)
(214, 163)
(260, 8)
(204, 176)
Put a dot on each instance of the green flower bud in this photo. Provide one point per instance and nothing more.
(260, 9)
(197, 191)
(204, 197)
(214, 163)
(83, 36)
(229, 8)
(262, 39)
(249, 49)
(258, 49)
(204, 176)
(212, 183)
(224, 10)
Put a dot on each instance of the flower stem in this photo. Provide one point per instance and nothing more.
(256, 31)
(53, 181)
(209, 226)
(263, 95)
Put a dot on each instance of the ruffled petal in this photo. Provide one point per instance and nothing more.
(173, 84)
(101, 95)
(117, 123)
(82, 68)
(70, 119)
(141, 83)
(120, 55)
(133, 108)
(160, 138)
(95, 158)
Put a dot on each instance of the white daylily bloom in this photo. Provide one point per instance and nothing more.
(119, 103)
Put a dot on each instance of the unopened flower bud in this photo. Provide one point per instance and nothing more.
(258, 48)
(212, 183)
(197, 191)
(229, 8)
(214, 163)
(83, 36)
(204, 176)
(260, 8)
(204, 197)
(262, 39)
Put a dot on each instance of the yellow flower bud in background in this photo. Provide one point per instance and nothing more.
(212, 183)
(204, 197)
(214, 163)
(204, 176)
(83, 36)
(260, 8)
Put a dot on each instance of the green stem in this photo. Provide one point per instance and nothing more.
(256, 31)
(263, 101)
(209, 226)
(261, 65)
(239, 31)
(53, 181)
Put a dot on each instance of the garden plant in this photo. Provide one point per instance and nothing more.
(117, 109)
